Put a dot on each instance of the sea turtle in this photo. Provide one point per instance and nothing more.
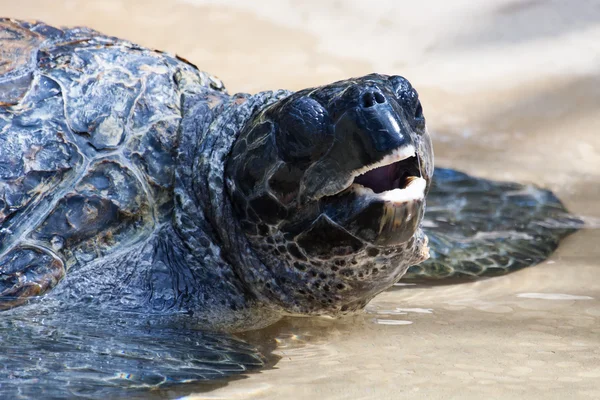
(140, 202)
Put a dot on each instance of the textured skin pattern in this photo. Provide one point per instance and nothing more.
(477, 227)
(87, 142)
(328, 252)
(28, 271)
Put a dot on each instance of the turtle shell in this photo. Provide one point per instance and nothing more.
(88, 131)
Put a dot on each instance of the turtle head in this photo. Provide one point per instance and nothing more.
(330, 185)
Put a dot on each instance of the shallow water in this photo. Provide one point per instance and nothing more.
(511, 90)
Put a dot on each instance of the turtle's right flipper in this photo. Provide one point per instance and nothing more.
(98, 355)
(478, 227)
(25, 272)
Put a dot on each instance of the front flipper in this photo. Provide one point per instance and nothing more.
(100, 355)
(26, 272)
(478, 227)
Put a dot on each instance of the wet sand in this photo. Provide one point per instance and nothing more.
(511, 90)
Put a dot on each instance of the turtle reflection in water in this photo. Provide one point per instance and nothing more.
(142, 208)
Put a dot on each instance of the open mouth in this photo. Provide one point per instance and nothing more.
(397, 178)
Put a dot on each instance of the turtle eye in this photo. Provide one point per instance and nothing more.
(303, 130)
(419, 117)
(419, 111)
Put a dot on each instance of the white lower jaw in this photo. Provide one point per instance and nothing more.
(415, 190)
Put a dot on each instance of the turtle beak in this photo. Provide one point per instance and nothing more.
(370, 138)
(383, 206)
(374, 180)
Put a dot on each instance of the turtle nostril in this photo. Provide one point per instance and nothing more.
(369, 99)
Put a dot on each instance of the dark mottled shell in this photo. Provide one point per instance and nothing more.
(88, 128)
